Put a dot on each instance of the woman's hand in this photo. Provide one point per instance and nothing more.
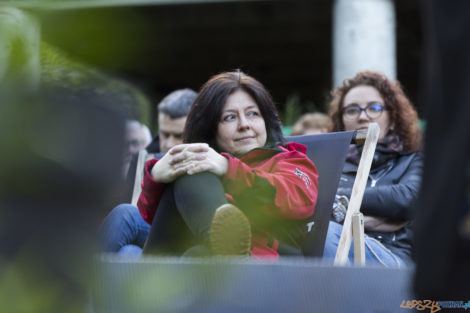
(175, 162)
(189, 159)
(196, 158)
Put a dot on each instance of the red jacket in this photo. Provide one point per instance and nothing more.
(280, 184)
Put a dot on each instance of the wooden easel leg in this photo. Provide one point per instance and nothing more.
(358, 235)
(359, 187)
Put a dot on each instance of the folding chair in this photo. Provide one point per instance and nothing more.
(353, 225)
(142, 158)
(328, 152)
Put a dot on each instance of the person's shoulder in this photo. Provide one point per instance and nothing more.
(154, 146)
(417, 157)
(410, 160)
(294, 146)
(414, 155)
(158, 155)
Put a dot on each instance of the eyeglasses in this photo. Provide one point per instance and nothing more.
(373, 111)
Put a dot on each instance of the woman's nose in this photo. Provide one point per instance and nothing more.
(363, 116)
(243, 123)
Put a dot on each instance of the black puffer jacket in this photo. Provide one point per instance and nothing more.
(392, 189)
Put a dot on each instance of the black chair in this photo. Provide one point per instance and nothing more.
(328, 152)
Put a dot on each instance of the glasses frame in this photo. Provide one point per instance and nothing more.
(383, 106)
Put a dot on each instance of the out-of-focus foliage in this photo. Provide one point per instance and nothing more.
(19, 49)
(60, 70)
(27, 287)
(58, 171)
(27, 62)
(295, 107)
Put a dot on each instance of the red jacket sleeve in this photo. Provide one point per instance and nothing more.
(292, 174)
(151, 193)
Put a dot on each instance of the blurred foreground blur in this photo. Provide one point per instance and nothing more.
(56, 175)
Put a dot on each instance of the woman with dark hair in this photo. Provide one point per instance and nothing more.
(395, 174)
(234, 186)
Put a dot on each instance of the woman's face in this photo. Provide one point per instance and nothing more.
(241, 126)
(365, 96)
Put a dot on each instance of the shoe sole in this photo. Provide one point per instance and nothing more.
(230, 232)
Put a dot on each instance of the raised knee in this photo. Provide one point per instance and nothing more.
(125, 209)
(334, 231)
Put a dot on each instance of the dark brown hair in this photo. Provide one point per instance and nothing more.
(403, 116)
(204, 116)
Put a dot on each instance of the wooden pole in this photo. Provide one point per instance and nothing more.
(358, 235)
(357, 193)
(139, 175)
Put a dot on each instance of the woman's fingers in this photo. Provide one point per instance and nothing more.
(198, 147)
(188, 152)
(179, 158)
(199, 156)
(191, 147)
(199, 167)
(184, 157)
(181, 170)
(193, 152)
(177, 149)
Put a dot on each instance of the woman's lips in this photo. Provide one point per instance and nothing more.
(244, 139)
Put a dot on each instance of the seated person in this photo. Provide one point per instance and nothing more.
(395, 175)
(312, 123)
(234, 187)
(137, 138)
(123, 230)
(172, 113)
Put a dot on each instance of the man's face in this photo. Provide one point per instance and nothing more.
(170, 131)
(135, 140)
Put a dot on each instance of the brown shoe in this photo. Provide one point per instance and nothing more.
(230, 232)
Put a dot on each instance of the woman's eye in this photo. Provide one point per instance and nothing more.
(253, 113)
(351, 110)
(229, 117)
(375, 107)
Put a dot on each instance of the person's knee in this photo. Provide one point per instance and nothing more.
(125, 210)
(332, 240)
(334, 230)
(197, 185)
(196, 179)
(130, 250)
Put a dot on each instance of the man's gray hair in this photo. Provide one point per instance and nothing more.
(177, 103)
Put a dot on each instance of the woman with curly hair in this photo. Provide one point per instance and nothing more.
(395, 175)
